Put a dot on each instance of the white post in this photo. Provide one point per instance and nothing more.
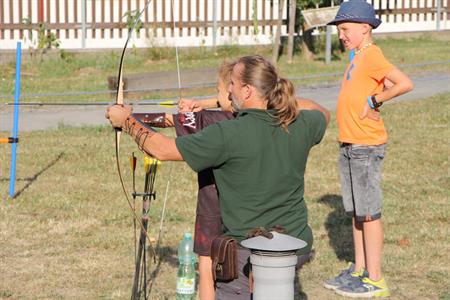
(83, 24)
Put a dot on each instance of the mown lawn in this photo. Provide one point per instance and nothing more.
(85, 72)
(68, 234)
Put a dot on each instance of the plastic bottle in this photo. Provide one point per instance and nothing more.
(186, 270)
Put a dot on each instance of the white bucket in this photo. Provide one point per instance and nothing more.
(273, 276)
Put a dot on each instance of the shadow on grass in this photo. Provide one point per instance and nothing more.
(33, 178)
(339, 227)
(167, 255)
(299, 293)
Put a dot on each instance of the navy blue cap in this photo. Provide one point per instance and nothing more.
(357, 11)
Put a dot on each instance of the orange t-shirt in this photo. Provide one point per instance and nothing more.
(364, 77)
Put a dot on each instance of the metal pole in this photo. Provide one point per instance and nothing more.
(214, 23)
(83, 24)
(12, 176)
(328, 45)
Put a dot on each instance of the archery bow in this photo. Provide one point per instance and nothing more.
(119, 100)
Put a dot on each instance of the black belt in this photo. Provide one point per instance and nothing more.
(345, 144)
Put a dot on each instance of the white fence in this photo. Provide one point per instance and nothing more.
(101, 23)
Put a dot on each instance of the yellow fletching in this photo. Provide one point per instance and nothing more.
(148, 161)
(168, 103)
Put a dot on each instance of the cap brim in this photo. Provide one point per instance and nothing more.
(372, 21)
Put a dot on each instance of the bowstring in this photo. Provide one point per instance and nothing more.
(177, 58)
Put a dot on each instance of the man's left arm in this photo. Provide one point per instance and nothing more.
(308, 104)
(148, 140)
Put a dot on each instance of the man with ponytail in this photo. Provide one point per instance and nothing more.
(258, 158)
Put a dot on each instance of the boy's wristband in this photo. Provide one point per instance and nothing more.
(369, 100)
(373, 102)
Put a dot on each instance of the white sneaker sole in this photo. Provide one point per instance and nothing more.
(370, 294)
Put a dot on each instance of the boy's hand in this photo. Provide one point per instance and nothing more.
(117, 114)
(373, 114)
(188, 105)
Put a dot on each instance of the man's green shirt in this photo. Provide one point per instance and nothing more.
(259, 169)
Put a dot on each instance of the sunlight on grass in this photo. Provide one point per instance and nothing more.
(69, 232)
(88, 71)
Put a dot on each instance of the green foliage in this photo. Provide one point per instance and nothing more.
(159, 53)
(27, 22)
(304, 4)
(66, 56)
(46, 38)
(255, 18)
(133, 20)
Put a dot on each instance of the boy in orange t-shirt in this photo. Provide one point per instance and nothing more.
(369, 80)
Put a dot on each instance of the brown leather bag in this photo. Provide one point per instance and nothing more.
(224, 258)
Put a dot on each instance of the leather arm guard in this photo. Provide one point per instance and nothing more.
(139, 130)
(152, 119)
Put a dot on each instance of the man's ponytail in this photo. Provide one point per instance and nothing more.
(282, 100)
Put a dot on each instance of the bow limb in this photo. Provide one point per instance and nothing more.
(119, 101)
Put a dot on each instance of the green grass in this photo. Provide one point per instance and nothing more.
(69, 234)
(88, 71)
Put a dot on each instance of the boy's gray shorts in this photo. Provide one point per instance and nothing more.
(360, 171)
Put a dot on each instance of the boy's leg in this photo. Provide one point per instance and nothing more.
(373, 245)
(206, 283)
(347, 182)
(358, 244)
(353, 272)
(366, 162)
(372, 225)
(208, 225)
(365, 168)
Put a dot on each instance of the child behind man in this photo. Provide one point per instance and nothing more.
(368, 81)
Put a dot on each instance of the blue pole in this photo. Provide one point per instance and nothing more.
(12, 176)
(351, 55)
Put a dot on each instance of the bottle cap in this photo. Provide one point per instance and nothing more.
(187, 236)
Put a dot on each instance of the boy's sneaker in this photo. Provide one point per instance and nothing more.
(365, 288)
(346, 277)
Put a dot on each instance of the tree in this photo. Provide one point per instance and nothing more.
(277, 42)
(307, 39)
(292, 11)
(306, 42)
